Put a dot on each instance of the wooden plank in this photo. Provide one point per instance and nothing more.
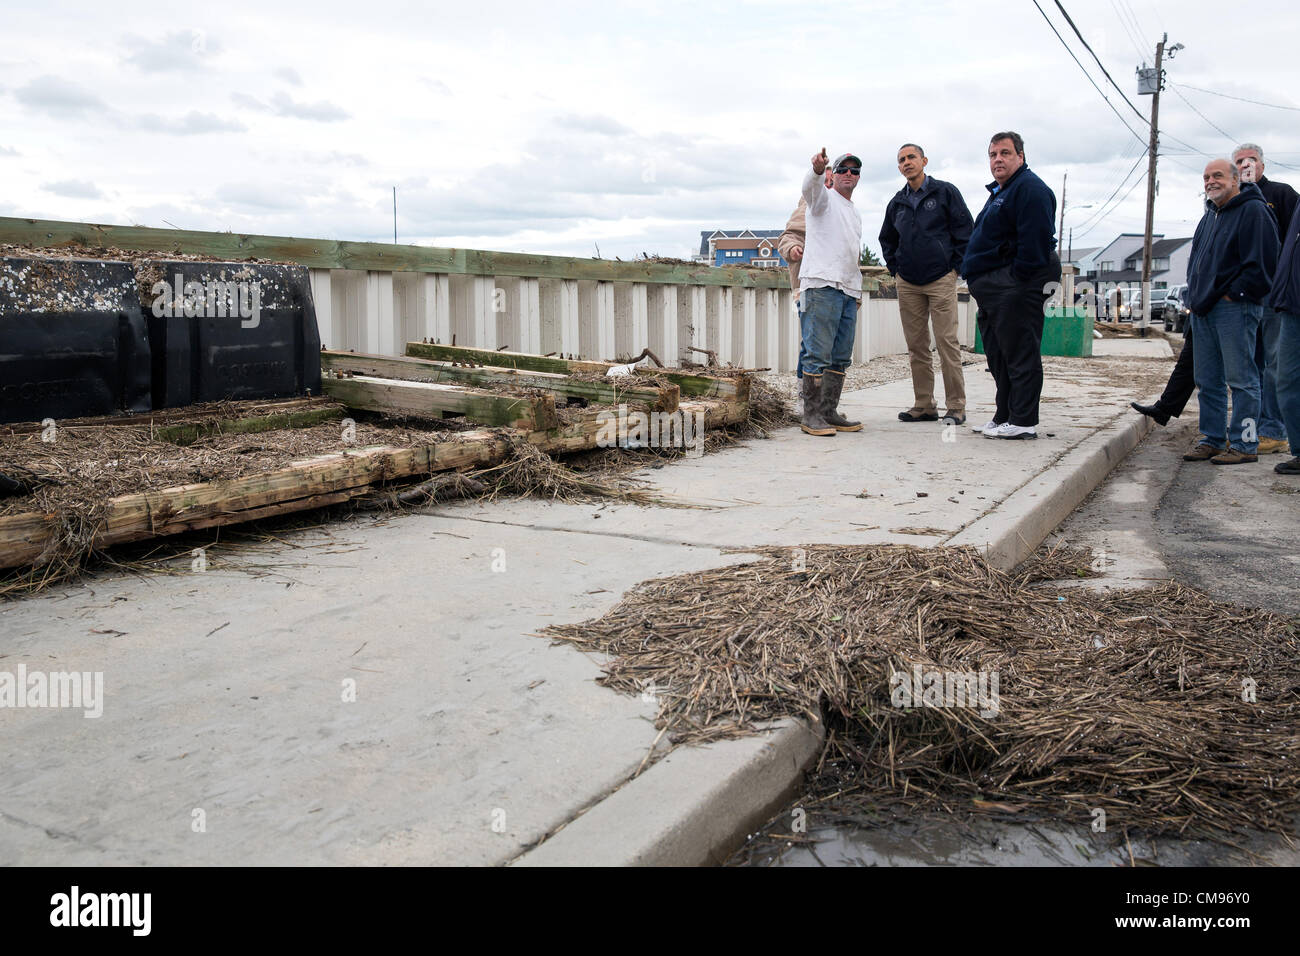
(611, 392)
(733, 389)
(187, 433)
(155, 513)
(431, 400)
(165, 416)
(304, 485)
(702, 386)
(582, 435)
(378, 256)
(520, 360)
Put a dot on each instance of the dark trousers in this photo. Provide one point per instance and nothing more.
(1010, 320)
(1182, 380)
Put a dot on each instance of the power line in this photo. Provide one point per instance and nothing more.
(1232, 138)
(1228, 96)
(1128, 31)
(1204, 117)
(1135, 185)
(1089, 76)
(1100, 64)
(1102, 210)
(1133, 13)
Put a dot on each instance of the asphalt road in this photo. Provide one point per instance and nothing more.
(1234, 532)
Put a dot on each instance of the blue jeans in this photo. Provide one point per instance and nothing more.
(1270, 415)
(1288, 376)
(827, 325)
(1225, 359)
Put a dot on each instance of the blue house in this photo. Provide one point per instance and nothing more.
(741, 247)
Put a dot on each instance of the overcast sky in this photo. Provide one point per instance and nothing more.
(560, 128)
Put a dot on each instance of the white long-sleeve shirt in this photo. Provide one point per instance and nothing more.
(834, 241)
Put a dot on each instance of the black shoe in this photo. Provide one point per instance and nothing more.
(1291, 467)
(954, 418)
(1153, 412)
(918, 416)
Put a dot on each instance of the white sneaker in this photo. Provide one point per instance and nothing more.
(995, 430)
(989, 425)
(1015, 431)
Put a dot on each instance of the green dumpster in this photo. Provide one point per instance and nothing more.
(1065, 332)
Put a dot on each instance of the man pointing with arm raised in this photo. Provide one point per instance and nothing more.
(830, 285)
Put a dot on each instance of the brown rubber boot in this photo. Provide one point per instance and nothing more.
(813, 421)
(832, 385)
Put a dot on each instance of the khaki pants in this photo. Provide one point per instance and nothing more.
(918, 304)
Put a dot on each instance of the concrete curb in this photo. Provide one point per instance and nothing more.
(693, 808)
(696, 806)
(1019, 524)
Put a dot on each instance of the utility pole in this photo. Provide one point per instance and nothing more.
(394, 215)
(1152, 151)
(1060, 230)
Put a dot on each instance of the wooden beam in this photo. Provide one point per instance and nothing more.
(165, 417)
(303, 485)
(430, 400)
(23, 537)
(377, 256)
(610, 392)
(584, 433)
(523, 361)
(187, 433)
(703, 386)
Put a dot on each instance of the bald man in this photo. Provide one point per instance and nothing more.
(1229, 274)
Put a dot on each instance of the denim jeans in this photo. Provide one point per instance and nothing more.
(1225, 359)
(1270, 416)
(827, 325)
(1288, 376)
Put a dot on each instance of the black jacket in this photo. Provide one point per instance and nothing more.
(1282, 199)
(1016, 228)
(927, 242)
(1285, 296)
(1234, 252)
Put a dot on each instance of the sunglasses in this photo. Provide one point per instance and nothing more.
(850, 170)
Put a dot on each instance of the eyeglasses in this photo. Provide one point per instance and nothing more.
(850, 170)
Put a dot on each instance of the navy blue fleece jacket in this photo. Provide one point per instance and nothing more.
(1016, 227)
(1234, 252)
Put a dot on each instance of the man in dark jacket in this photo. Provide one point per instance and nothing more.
(1285, 300)
(1282, 199)
(1229, 272)
(927, 227)
(1009, 265)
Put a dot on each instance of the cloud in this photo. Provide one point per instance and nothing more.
(323, 111)
(600, 125)
(74, 189)
(57, 97)
(9, 151)
(259, 195)
(192, 123)
(179, 51)
(289, 75)
(436, 85)
(282, 104)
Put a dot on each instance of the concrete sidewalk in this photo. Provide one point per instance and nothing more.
(374, 691)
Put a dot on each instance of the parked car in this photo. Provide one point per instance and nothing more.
(1174, 308)
(1130, 306)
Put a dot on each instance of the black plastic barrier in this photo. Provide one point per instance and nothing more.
(73, 341)
(231, 330)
